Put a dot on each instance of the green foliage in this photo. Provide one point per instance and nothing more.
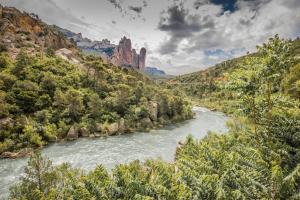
(257, 159)
(51, 95)
(291, 84)
(31, 136)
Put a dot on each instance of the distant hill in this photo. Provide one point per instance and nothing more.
(156, 73)
(102, 48)
(203, 84)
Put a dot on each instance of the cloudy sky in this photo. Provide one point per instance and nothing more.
(181, 36)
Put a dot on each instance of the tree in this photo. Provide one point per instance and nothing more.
(38, 179)
(50, 52)
(95, 105)
(49, 83)
(32, 136)
(276, 60)
(26, 95)
(246, 81)
(4, 62)
(74, 103)
(22, 62)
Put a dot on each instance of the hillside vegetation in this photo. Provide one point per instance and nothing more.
(46, 100)
(257, 159)
(204, 86)
(50, 91)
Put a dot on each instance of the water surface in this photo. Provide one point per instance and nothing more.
(86, 153)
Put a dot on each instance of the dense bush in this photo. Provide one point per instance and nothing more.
(42, 99)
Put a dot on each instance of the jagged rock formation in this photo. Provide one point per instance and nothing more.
(121, 55)
(142, 58)
(124, 55)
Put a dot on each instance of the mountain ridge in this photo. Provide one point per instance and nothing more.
(122, 54)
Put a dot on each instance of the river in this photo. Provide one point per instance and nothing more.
(86, 153)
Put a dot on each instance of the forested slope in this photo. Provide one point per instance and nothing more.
(50, 91)
(204, 86)
(257, 159)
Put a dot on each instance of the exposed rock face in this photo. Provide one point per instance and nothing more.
(113, 128)
(84, 132)
(153, 110)
(21, 29)
(72, 134)
(122, 125)
(19, 154)
(121, 55)
(67, 54)
(142, 59)
(135, 58)
(124, 55)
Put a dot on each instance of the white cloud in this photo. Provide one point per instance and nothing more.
(234, 33)
(237, 32)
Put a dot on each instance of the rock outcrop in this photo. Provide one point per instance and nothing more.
(84, 132)
(72, 134)
(20, 154)
(124, 55)
(121, 54)
(142, 58)
(153, 110)
(20, 29)
(111, 129)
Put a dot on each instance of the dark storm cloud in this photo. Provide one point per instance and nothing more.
(180, 24)
(136, 9)
(170, 46)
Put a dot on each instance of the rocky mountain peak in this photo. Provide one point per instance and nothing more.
(124, 55)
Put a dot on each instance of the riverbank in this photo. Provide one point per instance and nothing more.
(103, 131)
(87, 153)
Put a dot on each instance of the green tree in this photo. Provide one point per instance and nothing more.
(49, 83)
(38, 179)
(95, 105)
(32, 136)
(26, 94)
(50, 52)
(74, 103)
(22, 63)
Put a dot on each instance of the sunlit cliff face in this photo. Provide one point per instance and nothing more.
(180, 36)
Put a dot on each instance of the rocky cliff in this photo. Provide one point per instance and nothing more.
(124, 55)
(21, 29)
(121, 54)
